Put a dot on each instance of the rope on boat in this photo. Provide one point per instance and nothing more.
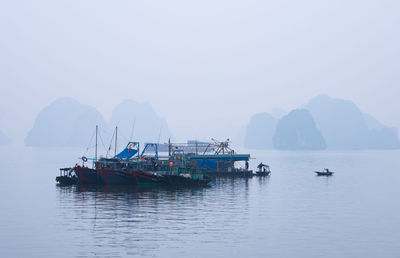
(90, 142)
(101, 139)
(111, 142)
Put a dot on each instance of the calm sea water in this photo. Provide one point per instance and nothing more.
(293, 213)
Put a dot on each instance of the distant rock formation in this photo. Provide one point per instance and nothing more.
(344, 126)
(65, 123)
(381, 136)
(259, 131)
(148, 126)
(297, 131)
(278, 113)
(340, 122)
(372, 123)
(239, 138)
(4, 139)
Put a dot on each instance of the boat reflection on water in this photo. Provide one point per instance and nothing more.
(112, 188)
(83, 191)
(132, 188)
(263, 180)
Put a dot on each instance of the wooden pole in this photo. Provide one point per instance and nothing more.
(116, 133)
(95, 155)
(169, 147)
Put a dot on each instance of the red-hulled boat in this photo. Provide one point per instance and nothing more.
(131, 168)
(88, 175)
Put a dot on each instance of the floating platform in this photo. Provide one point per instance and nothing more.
(222, 165)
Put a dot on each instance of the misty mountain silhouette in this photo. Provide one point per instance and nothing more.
(68, 123)
(65, 123)
(341, 123)
(4, 139)
(259, 131)
(344, 126)
(381, 136)
(147, 126)
(297, 131)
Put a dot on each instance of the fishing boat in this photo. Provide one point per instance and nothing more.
(263, 170)
(130, 167)
(325, 172)
(112, 171)
(126, 168)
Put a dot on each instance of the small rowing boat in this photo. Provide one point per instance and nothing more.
(325, 172)
(263, 170)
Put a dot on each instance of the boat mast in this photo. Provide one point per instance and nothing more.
(97, 127)
(169, 147)
(116, 133)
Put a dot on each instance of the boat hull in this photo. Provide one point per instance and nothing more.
(88, 175)
(324, 173)
(109, 176)
(147, 178)
(266, 173)
(116, 177)
(130, 177)
(67, 180)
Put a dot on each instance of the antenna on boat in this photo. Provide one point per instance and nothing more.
(159, 135)
(196, 146)
(97, 129)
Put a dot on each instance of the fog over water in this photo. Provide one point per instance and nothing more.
(202, 65)
(289, 75)
(292, 213)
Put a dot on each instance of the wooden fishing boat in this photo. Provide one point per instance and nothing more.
(325, 172)
(263, 170)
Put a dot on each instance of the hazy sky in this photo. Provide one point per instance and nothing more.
(206, 66)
